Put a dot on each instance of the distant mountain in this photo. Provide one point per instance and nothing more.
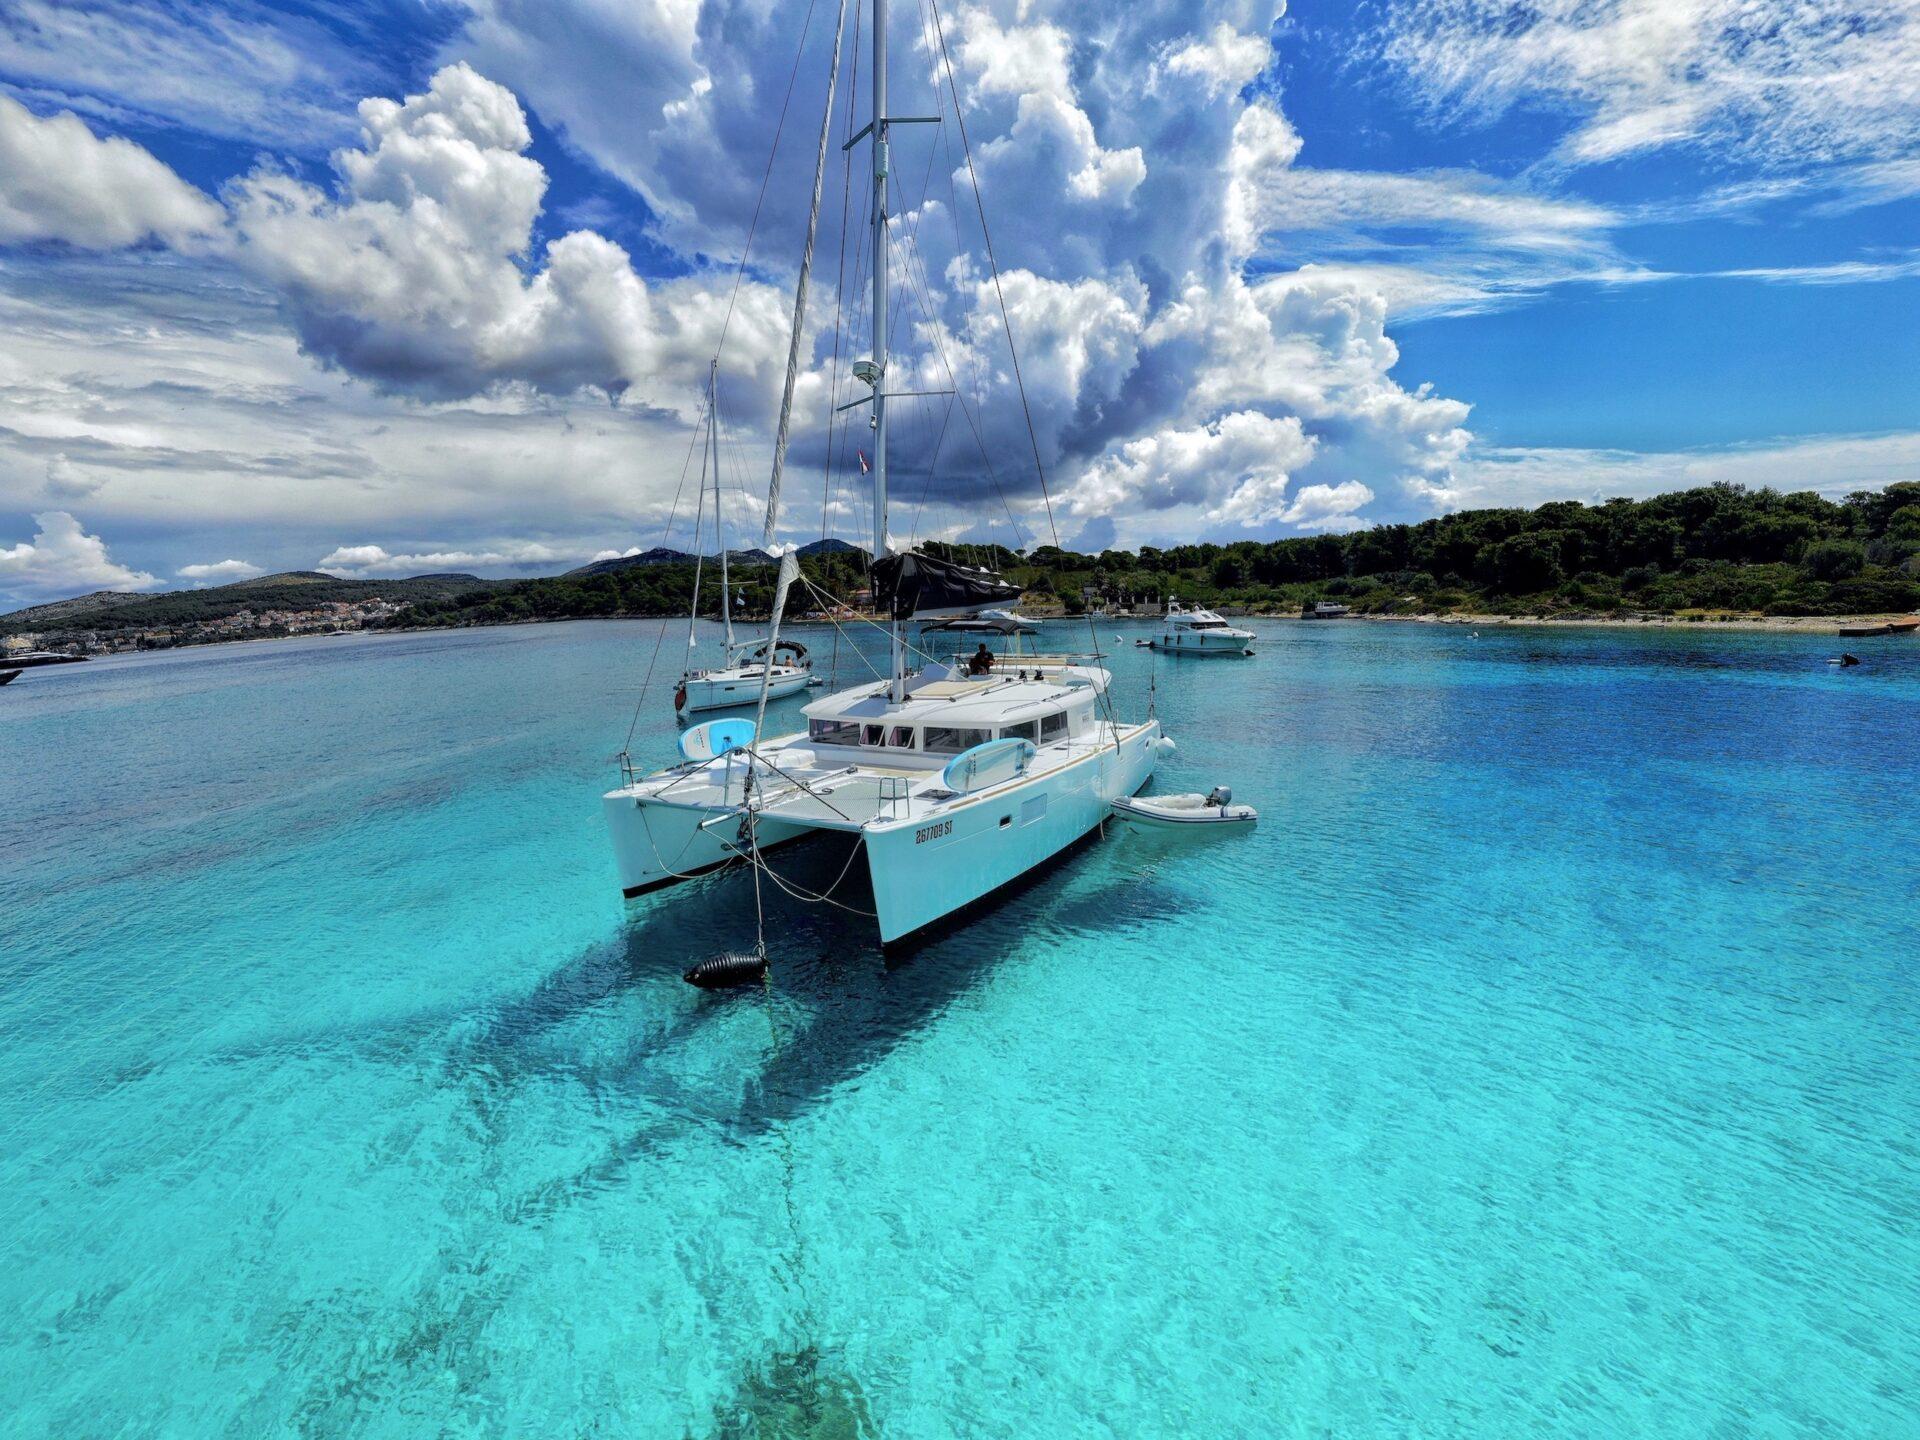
(284, 577)
(830, 547)
(661, 556)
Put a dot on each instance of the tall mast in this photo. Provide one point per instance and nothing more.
(719, 527)
(879, 89)
(897, 670)
(699, 550)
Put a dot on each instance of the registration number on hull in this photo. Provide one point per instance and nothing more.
(932, 832)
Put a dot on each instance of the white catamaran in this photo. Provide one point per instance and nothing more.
(956, 780)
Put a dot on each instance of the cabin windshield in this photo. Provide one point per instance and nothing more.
(834, 732)
(952, 739)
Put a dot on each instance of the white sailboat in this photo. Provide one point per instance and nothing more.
(749, 665)
(954, 783)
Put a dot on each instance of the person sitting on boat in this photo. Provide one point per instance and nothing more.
(982, 660)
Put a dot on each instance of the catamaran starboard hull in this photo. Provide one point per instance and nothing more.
(925, 869)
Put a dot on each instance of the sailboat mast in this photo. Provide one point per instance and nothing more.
(879, 149)
(897, 669)
(719, 526)
(699, 550)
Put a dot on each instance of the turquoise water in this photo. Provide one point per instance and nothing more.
(1546, 1064)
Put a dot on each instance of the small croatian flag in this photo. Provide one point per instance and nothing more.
(864, 467)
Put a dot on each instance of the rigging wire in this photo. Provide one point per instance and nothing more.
(1000, 295)
(779, 127)
(672, 515)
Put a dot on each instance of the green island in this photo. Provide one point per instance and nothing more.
(1719, 551)
(1720, 548)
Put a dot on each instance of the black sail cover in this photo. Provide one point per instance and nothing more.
(914, 584)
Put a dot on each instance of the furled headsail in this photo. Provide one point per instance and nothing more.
(910, 583)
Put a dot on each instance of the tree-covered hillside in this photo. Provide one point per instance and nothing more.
(107, 613)
(1719, 547)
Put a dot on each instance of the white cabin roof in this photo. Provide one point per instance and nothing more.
(1177, 611)
(933, 699)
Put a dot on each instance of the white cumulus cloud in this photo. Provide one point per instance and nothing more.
(416, 273)
(1222, 62)
(354, 561)
(1328, 507)
(60, 181)
(1238, 466)
(62, 559)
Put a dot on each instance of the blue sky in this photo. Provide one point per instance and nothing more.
(1271, 272)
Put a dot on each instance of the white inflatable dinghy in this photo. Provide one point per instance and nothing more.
(1215, 812)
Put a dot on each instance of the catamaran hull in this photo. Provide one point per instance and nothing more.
(657, 845)
(731, 694)
(926, 869)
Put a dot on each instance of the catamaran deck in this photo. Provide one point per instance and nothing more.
(798, 783)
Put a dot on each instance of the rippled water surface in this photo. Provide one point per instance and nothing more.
(1545, 1064)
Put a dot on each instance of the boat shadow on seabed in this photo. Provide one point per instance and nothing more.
(840, 1002)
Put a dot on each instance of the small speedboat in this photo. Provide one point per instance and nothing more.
(7, 677)
(1215, 811)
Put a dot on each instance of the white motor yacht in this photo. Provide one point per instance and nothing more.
(1198, 631)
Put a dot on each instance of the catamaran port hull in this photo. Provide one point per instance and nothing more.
(926, 867)
(658, 845)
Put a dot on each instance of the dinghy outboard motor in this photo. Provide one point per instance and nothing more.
(723, 972)
(1220, 795)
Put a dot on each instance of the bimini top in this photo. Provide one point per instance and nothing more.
(947, 696)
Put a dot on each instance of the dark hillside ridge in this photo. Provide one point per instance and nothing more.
(661, 556)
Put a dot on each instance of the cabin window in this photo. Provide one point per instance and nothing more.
(873, 734)
(1053, 727)
(900, 737)
(1025, 730)
(951, 740)
(834, 732)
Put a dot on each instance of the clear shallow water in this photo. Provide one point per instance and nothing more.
(1545, 1064)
